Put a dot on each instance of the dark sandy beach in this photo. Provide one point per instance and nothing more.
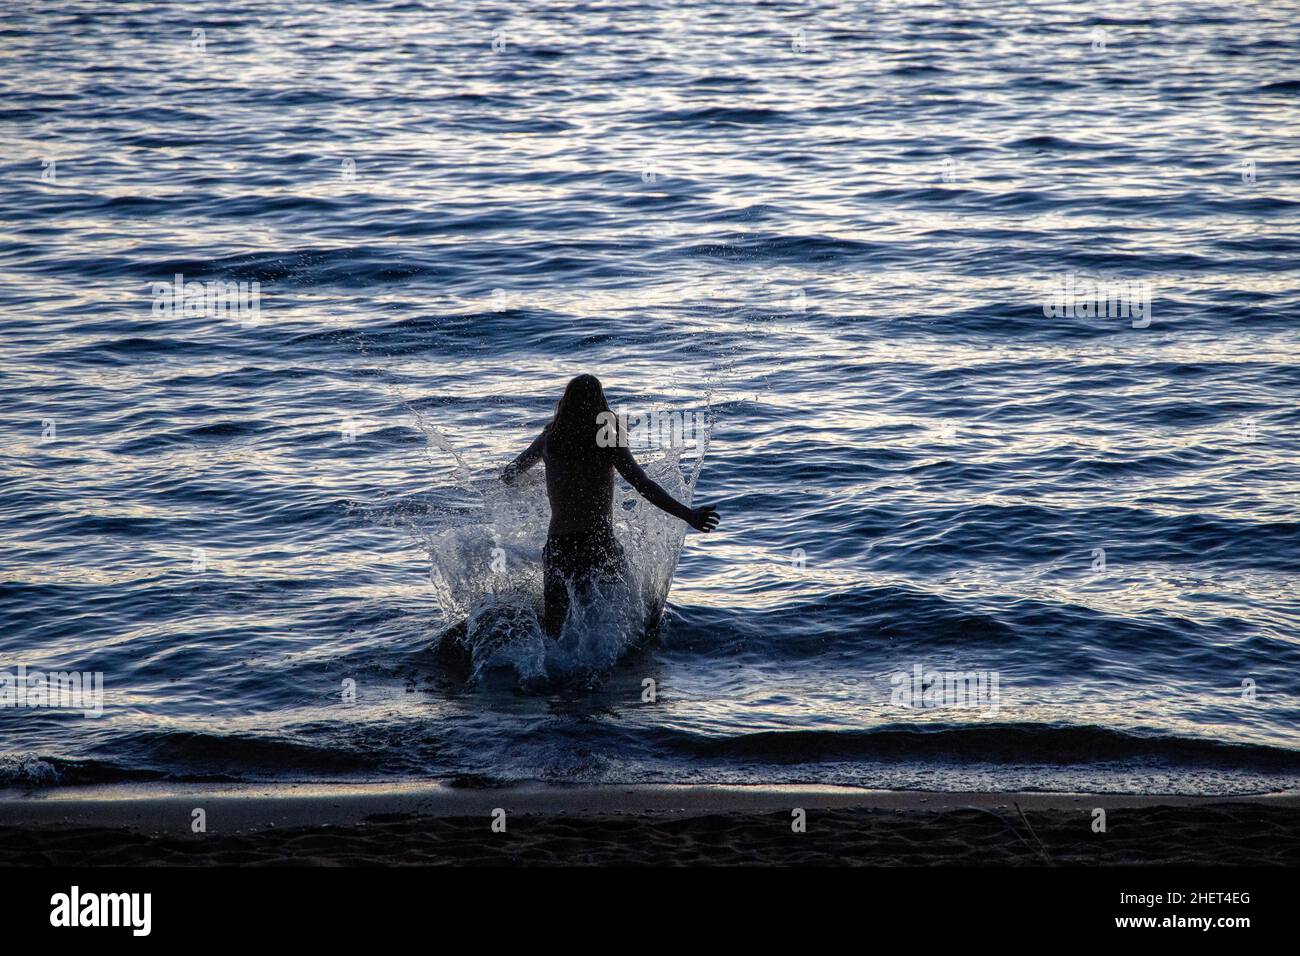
(667, 827)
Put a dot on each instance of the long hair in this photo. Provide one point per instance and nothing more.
(580, 414)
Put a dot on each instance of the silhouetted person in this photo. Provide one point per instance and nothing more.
(580, 545)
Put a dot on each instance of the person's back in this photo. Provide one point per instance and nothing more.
(580, 452)
(581, 492)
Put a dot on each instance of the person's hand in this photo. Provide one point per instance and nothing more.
(703, 519)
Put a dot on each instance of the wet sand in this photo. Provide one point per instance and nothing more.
(436, 824)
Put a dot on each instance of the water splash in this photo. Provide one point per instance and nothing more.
(485, 563)
(486, 573)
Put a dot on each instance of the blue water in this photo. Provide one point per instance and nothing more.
(834, 243)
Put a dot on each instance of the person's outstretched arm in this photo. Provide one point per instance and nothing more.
(701, 519)
(529, 457)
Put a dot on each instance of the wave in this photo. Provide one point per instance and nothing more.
(31, 771)
(187, 756)
(1003, 743)
(1024, 749)
(717, 116)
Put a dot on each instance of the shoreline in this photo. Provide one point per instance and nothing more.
(647, 825)
(166, 808)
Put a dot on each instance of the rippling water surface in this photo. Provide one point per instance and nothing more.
(829, 228)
